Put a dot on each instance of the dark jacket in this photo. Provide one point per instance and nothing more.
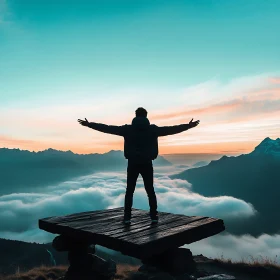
(141, 137)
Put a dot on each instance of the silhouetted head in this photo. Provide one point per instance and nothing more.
(141, 112)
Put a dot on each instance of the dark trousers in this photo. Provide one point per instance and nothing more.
(147, 172)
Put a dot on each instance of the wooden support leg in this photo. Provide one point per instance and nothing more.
(83, 265)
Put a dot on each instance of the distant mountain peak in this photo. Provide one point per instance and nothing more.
(51, 150)
(54, 151)
(266, 139)
(114, 152)
(268, 146)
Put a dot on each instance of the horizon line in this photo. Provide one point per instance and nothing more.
(213, 153)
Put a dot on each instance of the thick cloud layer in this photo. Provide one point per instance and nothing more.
(245, 247)
(19, 212)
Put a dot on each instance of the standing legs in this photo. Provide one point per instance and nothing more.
(147, 172)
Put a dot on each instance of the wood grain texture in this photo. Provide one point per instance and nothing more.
(141, 238)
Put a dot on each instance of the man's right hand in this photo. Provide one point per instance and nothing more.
(84, 123)
(193, 124)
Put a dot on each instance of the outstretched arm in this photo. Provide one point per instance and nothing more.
(111, 129)
(169, 130)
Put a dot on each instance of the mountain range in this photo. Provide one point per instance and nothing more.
(253, 177)
(29, 171)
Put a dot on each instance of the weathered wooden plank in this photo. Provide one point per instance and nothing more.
(138, 222)
(171, 224)
(146, 227)
(92, 217)
(105, 224)
(104, 219)
(77, 216)
(114, 224)
(139, 225)
(90, 220)
(174, 231)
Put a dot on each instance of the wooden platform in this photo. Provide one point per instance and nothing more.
(141, 238)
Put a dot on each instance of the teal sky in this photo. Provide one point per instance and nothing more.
(133, 43)
(57, 50)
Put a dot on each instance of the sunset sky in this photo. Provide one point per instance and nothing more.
(216, 61)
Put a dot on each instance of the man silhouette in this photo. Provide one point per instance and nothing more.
(140, 148)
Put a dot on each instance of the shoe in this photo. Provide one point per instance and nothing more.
(154, 222)
(127, 219)
(154, 219)
(127, 222)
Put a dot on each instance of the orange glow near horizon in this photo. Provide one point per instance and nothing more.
(86, 148)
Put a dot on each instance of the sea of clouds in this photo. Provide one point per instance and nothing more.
(20, 212)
